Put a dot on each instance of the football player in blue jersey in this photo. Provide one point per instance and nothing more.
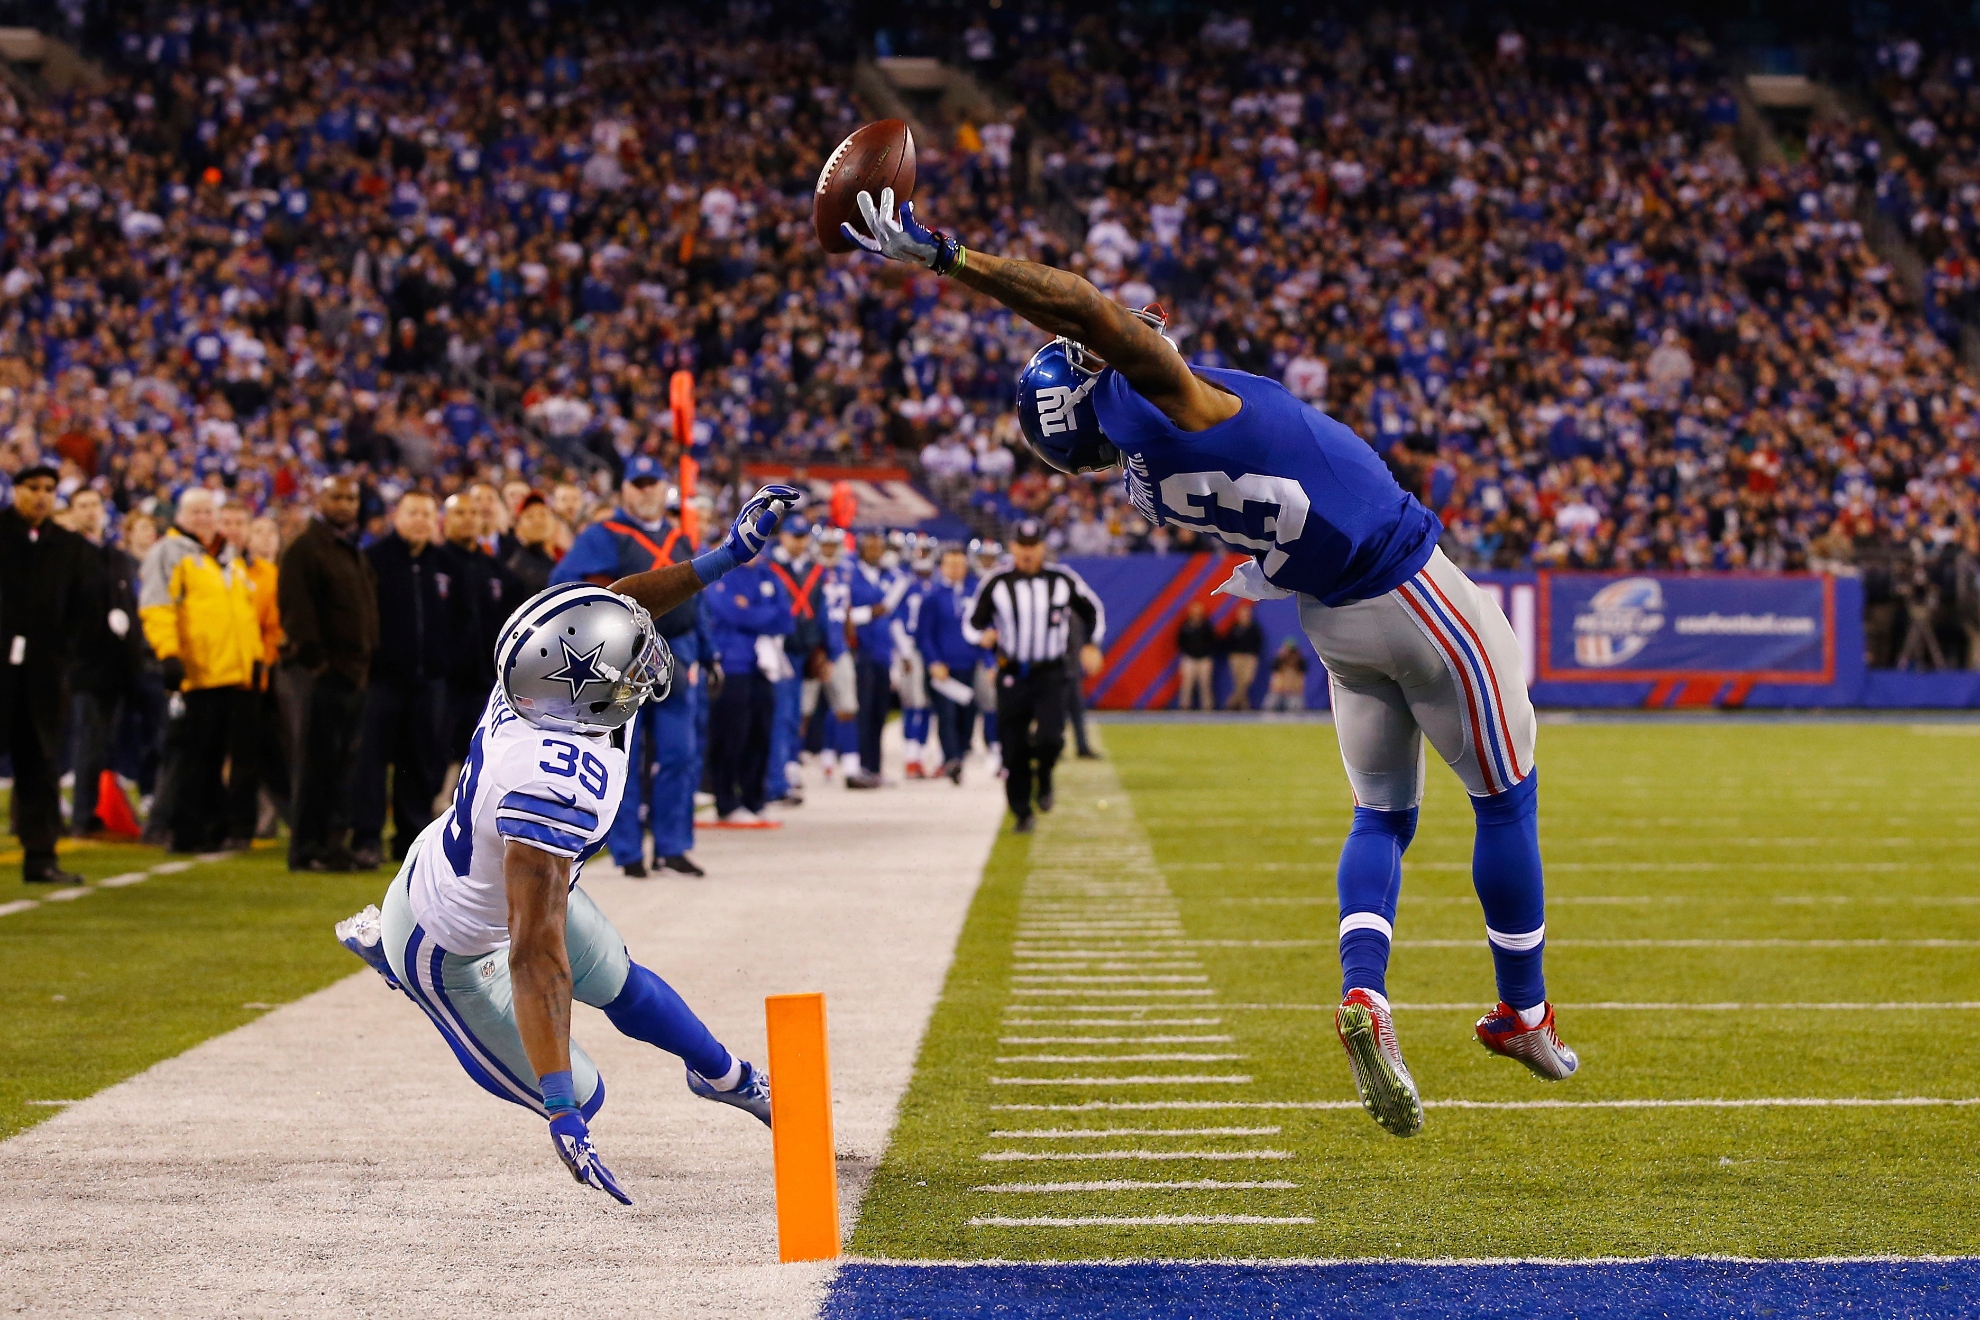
(486, 927)
(1413, 648)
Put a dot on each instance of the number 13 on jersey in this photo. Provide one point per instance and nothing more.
(1257, 513)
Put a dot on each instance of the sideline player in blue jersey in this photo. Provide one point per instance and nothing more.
(1413, 648)
(486, 927)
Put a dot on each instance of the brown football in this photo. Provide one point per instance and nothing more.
(878, 155)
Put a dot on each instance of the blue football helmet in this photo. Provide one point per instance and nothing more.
(1054, 410)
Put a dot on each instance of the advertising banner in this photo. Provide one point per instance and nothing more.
(1608, 628)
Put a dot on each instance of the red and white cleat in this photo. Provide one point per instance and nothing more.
(1381, 1078)
(914, 771)
(1501, 1032)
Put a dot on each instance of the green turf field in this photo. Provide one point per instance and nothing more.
(104, 985)
(1778, 866)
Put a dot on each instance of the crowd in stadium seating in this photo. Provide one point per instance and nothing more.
(1534, 273)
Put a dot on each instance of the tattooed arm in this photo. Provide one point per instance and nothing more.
(1059, 303)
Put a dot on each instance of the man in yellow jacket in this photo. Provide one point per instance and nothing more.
(201, 616)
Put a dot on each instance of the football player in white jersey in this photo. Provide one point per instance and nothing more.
(485, 927)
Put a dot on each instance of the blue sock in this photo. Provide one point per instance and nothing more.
(1369, 879)
(847, 737)
(648, 1009)
(914, 727)
(1505, 869)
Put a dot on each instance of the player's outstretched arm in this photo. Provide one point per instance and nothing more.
(663, 589)
(1057, 302)
(538, 885)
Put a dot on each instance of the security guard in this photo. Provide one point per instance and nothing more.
(636, 538)
(791, 563)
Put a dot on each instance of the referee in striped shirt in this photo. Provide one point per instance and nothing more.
(1025, 611)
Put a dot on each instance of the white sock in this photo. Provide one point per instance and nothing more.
(731, 1079)
(1533, 1017)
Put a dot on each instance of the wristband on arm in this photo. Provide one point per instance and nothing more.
(712, 565)
(559, 1093)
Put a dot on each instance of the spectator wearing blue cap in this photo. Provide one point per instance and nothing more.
(791, 562)
(663, 753)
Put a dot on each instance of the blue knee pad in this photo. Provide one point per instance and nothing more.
(1369, 880)
(649, 1009)
(1506, 871)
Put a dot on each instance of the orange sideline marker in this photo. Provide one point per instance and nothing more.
(801, 1129)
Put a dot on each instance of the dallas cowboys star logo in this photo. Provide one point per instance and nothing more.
(578, 669)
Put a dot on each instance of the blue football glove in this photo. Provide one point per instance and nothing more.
(758, 520)
(902, 237)
(573, 1142)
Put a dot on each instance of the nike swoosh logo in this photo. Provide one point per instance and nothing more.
(570, 801)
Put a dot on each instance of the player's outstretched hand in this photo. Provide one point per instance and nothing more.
(758, 520)
(572, 1139)
(901, 237)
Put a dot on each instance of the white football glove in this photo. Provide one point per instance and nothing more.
(898, 236)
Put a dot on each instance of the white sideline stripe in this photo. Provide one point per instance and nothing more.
(1033, 1156)
(173, 868)
(1772, 1102)
(1115, 1040)
(127, 878)
(1235, 1080)
(1135, 1221)
(1131, 1185)
(1069, 1134)
(67, 895)
(1616, 944)
(54, 1102)
(1118, 1058)
(18, 905)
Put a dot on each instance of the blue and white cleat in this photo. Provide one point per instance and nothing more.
(1537, 1046)
(364, 935)
(1381, 1078)
(752, 1093)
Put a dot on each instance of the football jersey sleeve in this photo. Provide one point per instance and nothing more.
(555, 797)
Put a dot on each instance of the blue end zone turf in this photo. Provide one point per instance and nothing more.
(1915, 1289)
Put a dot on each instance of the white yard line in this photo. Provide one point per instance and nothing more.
(1769, 1102)
(362, 1173)
(1133, 1221)
(1949, 1005)
(1047, 1156)
(1118, 1058)
(1573, 943)
(1133, 1185)
(1114, 1040)
(71, 893)
(1159, 1080)
(1076, 1134)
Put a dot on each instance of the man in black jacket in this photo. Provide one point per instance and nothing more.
(487, 593)
(45, 592)
(420, 619)
(328, 596)
(110, 653)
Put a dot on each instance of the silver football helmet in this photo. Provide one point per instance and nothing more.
(577, 658)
